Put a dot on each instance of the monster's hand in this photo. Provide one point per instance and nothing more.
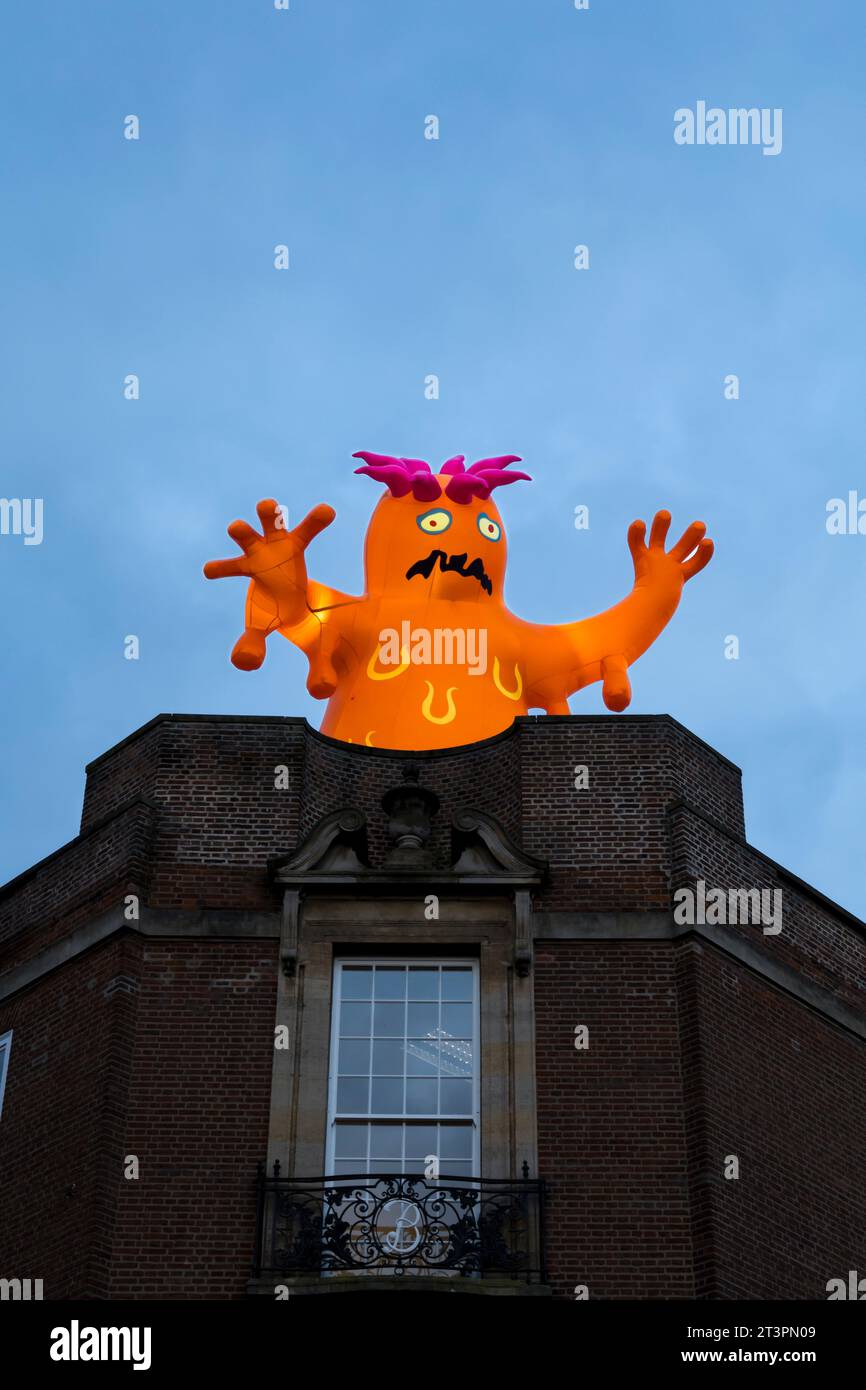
(667, 572)
(659, 577)
(564, 658)
(274, 561)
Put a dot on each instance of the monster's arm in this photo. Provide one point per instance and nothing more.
(562, 659)
(280, 597)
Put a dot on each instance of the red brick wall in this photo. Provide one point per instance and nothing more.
(63, 1120)
(161, 1049)
(609, 844)
(693, 1058)
(818, 939)
(71, 887)
(186, 812)
(221, 816)
(197, 1119)
(784, 1090)
(218, 818)
(610, 1120)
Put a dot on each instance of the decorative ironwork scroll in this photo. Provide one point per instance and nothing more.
(399, 1223)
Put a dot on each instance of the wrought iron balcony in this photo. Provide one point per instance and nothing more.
(397, 1224)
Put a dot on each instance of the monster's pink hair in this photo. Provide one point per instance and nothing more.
(403, 475)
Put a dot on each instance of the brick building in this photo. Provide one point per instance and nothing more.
(268, 947)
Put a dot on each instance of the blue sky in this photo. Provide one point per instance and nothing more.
(454, 257)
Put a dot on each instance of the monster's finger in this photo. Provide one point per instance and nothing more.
(616, 692)
(636, 538)
(616, 686)
(701, 557)
(314, 522)
(243, 533)
(248, 652)
(688, 540)
(269, 511)
(224, 569)
(661, 522)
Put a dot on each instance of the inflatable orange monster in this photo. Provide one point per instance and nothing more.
(429, 656)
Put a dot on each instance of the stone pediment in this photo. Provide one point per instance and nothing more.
(335, 852)
(481, 846)
(337, 844)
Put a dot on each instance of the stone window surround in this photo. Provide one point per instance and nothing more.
(326, 927)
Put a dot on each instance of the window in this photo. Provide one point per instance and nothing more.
(403, 1082)
(5, 1050)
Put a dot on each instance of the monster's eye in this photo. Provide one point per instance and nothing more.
(434, 522)
(490, 529)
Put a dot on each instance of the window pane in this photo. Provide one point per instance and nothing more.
(456, 983)
(456, 1169)
(420, 1097)
(352, 1095)
(354, 1058)
(423, 1019)
(350, 1166)
(416, 1167)
(457, 1020)
(456, 1097)
(455, 1057)
(390, 984)
(351, 1142)
(422, 1057)
(455, 1141)
(420, 1140)
(423, 984)
(355, 1020)
(389, 1021)
(357, 981)
(386, 1141)
(387, 1165)
(387, 1096)
(388, 1058)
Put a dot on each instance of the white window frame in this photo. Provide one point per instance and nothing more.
(473, 1119)
(5, 1054)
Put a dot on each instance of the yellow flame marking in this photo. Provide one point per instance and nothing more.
(388, 675)
(368, 738)
(427, 706)
(509, 694)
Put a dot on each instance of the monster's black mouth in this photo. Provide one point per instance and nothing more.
(451, 563)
